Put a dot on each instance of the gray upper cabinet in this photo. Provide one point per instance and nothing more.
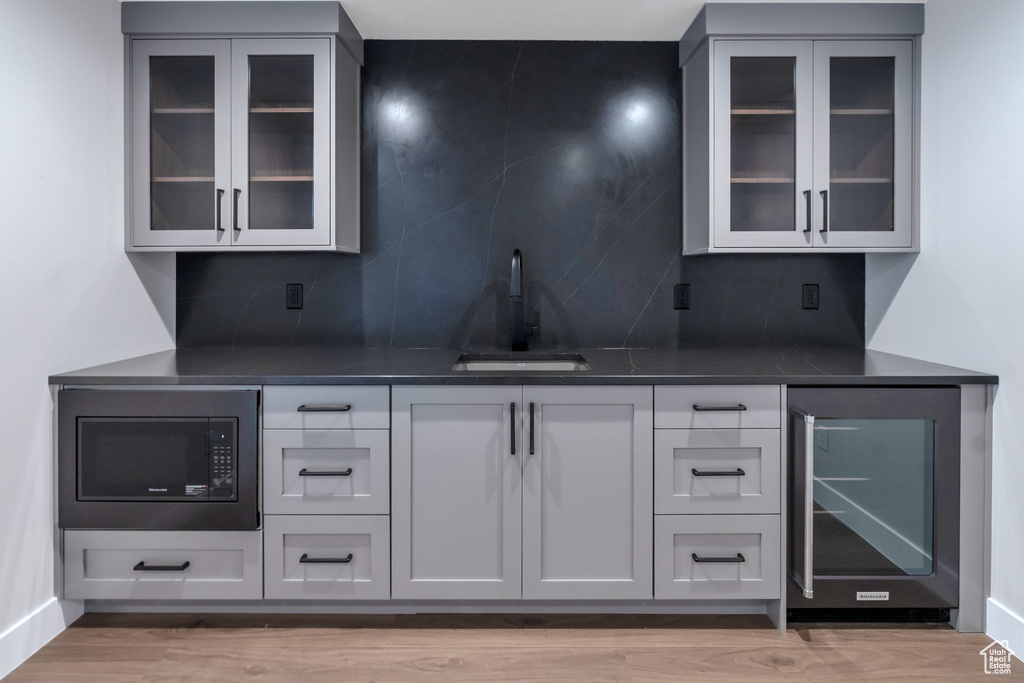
(799, 128)
(238, 142)
(456, 484)
(588, 493)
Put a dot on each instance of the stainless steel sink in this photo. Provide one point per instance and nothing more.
(521, 362)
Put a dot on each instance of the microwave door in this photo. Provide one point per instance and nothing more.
(801, 468)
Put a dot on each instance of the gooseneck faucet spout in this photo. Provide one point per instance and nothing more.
(521, 332)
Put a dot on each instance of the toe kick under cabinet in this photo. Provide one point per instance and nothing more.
(717, 492)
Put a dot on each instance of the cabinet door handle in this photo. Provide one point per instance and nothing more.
(739, 558)
(531, 428)
(739, 407)
(810, 210)
(341, 473)
(824, 210)
(220, 201)
(234, 212)
(726, 473)
(141, 567)
(513, 410)
(306, 559)
(325, 409)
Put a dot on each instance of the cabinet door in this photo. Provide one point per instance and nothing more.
(863, 143)
(588, 510)
(762, 143)
(281, 142)
(456, 484)
(180, 142)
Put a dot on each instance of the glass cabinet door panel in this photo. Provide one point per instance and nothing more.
(873, 497)
(281, 142)
(182, 148)
(863, 143)
(180, 130)
(861, 129)
(762, 142)
(281, 153)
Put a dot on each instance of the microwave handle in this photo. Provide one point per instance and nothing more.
(807, 573)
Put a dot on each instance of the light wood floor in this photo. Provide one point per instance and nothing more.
(136, 647)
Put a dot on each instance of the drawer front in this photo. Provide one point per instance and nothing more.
(717, 471)
(326, 472)
(713, 539)
(326, 407)
(335, 558)
(717, 407)
(221, 565)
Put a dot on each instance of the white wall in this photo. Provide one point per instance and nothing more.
(961, 301)
(69, 296)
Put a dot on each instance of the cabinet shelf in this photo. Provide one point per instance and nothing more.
(183, 110)
(860, 112)
(762, 112)
(281, 179)
(771, 181)
(183, 179)
(860, 181)
(281, 110)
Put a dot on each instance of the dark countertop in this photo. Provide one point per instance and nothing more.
(326, 365)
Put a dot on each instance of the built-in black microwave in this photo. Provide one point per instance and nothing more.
(157, 459)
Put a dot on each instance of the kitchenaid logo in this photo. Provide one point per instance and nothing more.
(872, 595)
(998, 657)
(158, 490)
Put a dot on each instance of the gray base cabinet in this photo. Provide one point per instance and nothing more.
(163, 565)
(327, 557)
(587, 495)
(456, 488)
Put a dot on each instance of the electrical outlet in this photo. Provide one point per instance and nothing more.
(681, 297)
(810, 297)
(293, 296)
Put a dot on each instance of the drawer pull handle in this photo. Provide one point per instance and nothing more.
(325, 409)
(306, 559)
(342, 473)
(739, 407)
(141, 567)
(739, 558)
(727, 473)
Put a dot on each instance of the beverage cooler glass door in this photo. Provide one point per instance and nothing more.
(874, 505)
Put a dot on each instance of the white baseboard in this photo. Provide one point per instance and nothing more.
(1002, 624)
(24, 638)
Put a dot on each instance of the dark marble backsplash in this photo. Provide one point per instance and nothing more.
(569, 151)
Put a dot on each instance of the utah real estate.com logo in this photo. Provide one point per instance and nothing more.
(997, 657)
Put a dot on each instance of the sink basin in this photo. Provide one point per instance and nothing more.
(517, 362)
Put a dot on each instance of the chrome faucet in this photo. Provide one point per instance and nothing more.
(520, 330)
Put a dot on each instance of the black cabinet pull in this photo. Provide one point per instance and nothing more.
(234, 212)
(513, 409)
(306, 473)
(739, 407)
(220, 197)
(810, 211)
(141, 567)
(824, 210)
(325, 409)
(531, 428)
(306, 559)
(739, 558)
(737, 473)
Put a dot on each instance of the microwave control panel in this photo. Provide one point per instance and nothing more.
(222, 459)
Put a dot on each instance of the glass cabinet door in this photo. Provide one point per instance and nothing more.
(762, 157)
(863, 143)
(281, 142)
(180, 167)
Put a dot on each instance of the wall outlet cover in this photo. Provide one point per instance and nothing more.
(810, 297)
(293, 296)
(681, 297)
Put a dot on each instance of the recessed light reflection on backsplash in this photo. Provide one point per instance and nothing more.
(638, 120)
(401, 119)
